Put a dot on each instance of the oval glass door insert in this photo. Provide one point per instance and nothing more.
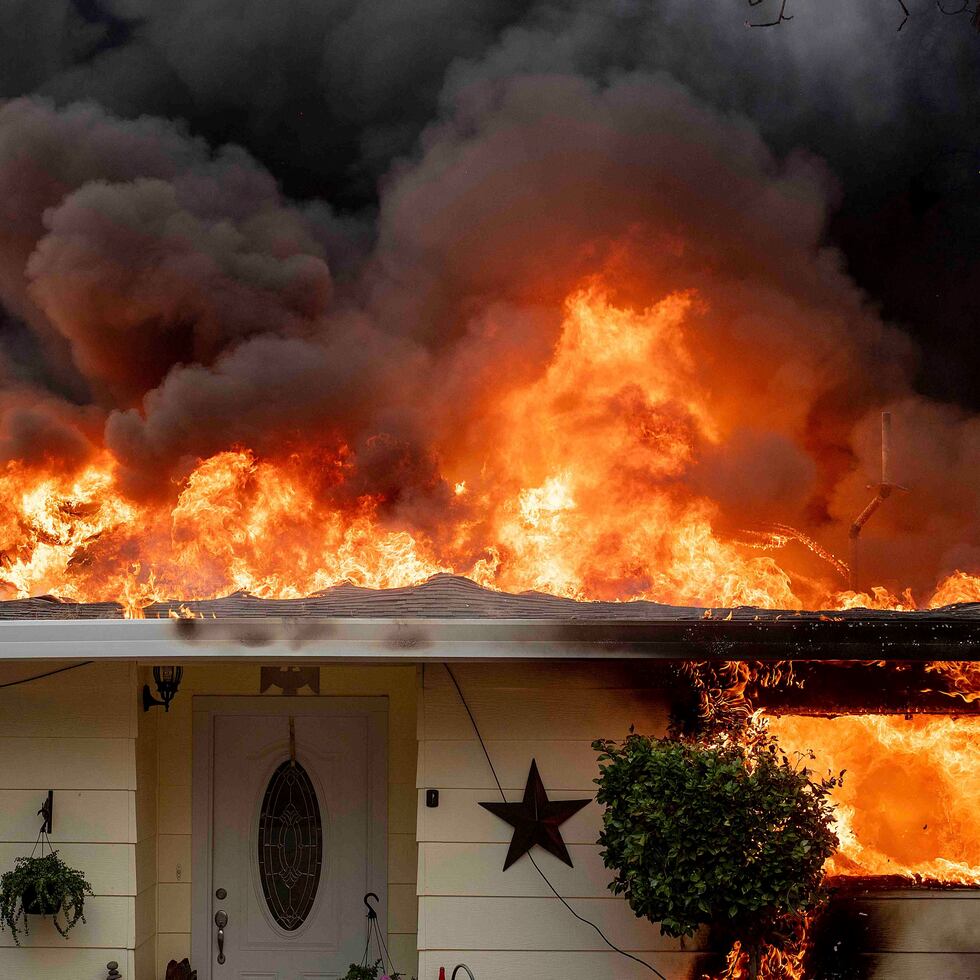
(290, 845)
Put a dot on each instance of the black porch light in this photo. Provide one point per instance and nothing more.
(167, 680)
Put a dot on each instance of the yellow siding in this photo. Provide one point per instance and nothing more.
(63, 963)
(508, 924)
(75, 733)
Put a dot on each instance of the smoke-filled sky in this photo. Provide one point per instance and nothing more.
(353, 222)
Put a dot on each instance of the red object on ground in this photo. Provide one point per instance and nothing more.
(442, 973)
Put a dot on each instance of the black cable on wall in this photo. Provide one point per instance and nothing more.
(49, 673)
(544, 877)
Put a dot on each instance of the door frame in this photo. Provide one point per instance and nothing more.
(205, 709)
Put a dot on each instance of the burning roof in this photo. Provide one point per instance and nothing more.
(584, 429)
(453, 609)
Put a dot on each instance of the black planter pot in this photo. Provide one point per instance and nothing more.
(33, 905)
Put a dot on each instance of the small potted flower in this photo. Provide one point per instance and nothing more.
(44, 886)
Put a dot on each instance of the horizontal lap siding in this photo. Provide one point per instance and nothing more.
(109, 922)
(462, 765)
(507, 924)
(68, 762)
(475, 870)
(110, 868)
(61, 963)
(460, 819)
(513, 714)
(924, 923)
(75, 733)
(82, 816)
(924, 966)
(542, 924)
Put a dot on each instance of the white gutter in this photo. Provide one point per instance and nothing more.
(379, 640)
(906, 637)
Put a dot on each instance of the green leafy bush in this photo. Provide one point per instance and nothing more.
(715, 833)
(47, 884)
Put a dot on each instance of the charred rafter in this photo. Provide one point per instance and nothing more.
(828, 689)
(708, 694)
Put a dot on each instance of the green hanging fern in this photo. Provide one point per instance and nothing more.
(42, 886)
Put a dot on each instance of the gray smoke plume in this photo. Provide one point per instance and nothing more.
(356, 228)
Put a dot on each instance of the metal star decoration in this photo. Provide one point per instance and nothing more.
(536, 820)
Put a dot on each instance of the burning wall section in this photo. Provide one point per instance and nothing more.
(907, 736)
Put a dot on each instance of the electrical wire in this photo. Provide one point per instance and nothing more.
(37, 677)
(544, 877)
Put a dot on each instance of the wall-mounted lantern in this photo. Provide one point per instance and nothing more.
(167, 681)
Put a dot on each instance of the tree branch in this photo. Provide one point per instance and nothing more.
(779, 19)
(782, 16)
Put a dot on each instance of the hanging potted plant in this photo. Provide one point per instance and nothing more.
(373, 971)
(43, 886)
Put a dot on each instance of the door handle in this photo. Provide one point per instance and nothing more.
(221, 920)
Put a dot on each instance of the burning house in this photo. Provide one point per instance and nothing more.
(395, 398)
(278, 616)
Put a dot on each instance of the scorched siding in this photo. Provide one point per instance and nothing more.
(507, 924)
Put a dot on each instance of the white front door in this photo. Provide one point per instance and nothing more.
(289, 834)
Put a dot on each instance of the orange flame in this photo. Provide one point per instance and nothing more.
(958, 587)
(578, 494)
(786, 963)
(906, 808)
(909, 801)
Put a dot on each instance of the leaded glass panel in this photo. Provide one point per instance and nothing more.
(290, 845)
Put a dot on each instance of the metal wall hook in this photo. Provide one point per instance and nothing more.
(47, 813)
(372, 912)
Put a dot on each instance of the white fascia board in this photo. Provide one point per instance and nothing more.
(378, 640)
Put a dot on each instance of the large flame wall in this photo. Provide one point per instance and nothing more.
(909, 801)
(596, 345)
(584, 483)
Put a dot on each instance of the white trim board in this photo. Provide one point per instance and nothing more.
(409, 640)
(319, 641)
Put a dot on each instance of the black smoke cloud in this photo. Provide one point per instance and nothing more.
(328, 94)
(408, 194)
